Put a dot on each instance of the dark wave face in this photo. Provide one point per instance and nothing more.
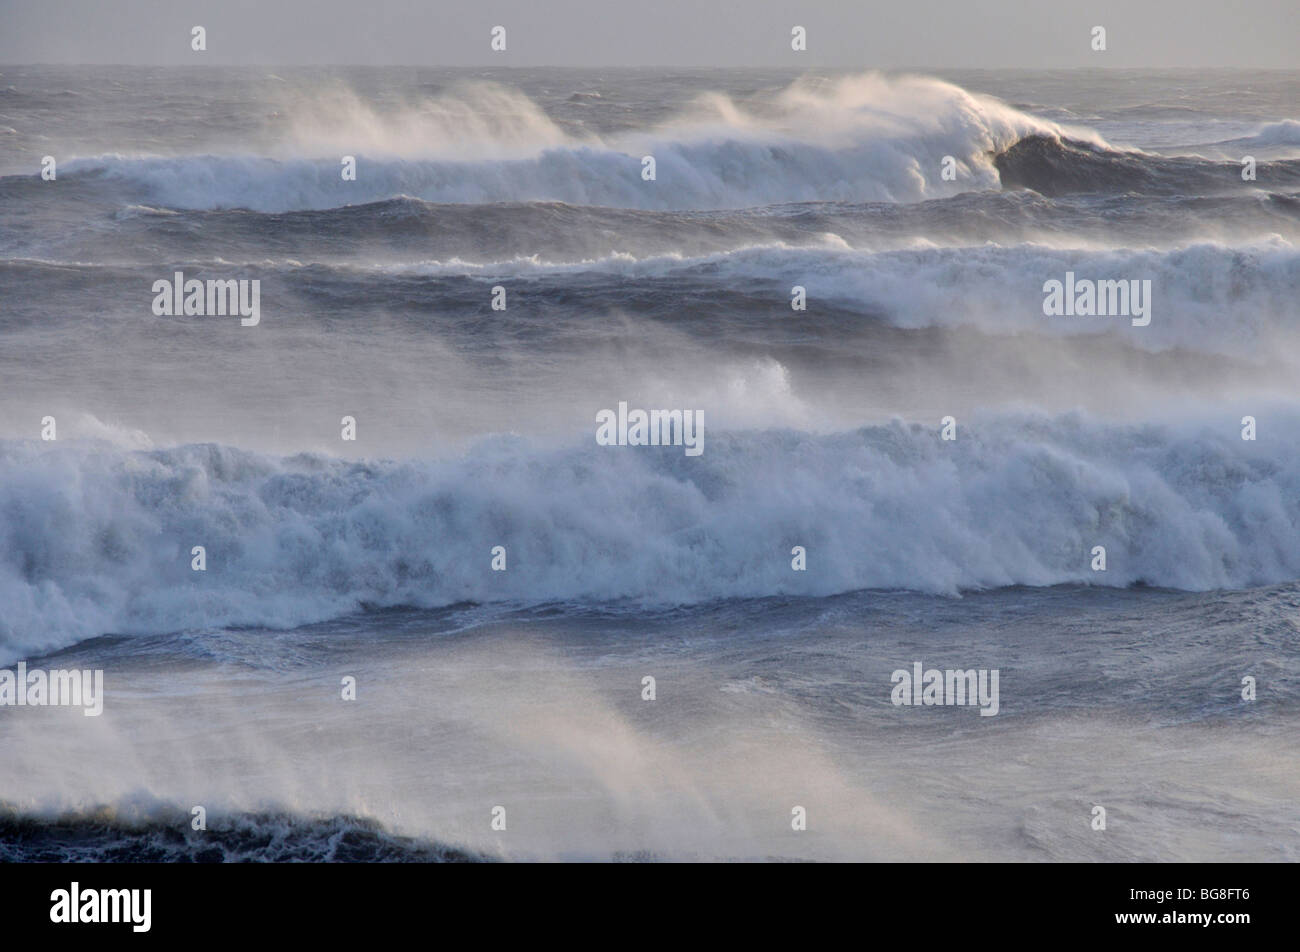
(834, 270)
(102, 837)
(1053, 166)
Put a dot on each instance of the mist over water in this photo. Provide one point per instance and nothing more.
(475, 426)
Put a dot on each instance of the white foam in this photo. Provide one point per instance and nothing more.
(97, 539)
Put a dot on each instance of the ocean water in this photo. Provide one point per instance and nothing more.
(523, 689)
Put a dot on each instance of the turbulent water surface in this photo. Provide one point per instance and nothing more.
(476, 689)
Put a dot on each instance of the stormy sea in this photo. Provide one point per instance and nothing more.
(365, 583)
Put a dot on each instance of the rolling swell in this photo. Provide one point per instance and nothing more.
(1209, 297)
(410, 229)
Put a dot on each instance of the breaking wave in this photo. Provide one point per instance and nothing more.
(96, 539)
(856, 139)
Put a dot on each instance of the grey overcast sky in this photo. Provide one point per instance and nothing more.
(849, 33)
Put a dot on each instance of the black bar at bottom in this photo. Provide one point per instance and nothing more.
(955, 902)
